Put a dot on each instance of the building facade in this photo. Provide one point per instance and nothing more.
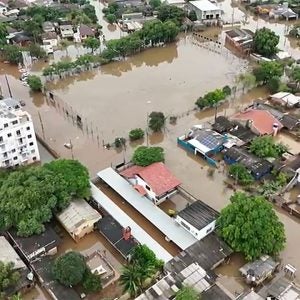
(18, 145)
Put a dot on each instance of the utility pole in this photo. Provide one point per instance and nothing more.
(71, 148)
(8, 86)
(147, 133)
(42, 125)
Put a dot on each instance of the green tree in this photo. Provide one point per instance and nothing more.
(226, 90)
(3, 33)
(155, 3)
(187, 293)
(247, 80)
(241, 174)
(91, 283)
(74, 174)
(111, 18)
(90, 12)
(267, 70)
(250, 226)
(145, 156)
(136, 134)
(35, 83)
(69, 269)
(156, 121)
(8, 277)
(193, 15)
(36, 51)
(91, 43)
(12, 53)
(211, 98)
(171, 13)
(120, 142)
(273, 85)
(265, 146)
(33, 28)
(265, 42)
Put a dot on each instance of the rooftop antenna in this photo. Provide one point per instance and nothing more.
(8, 86)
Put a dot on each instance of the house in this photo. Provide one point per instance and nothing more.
(50, 38)
(79, 219)
(261, 122)
(37, 245)
(258, 271)
(21, 39)
(66, 31)
(178, 3)
(85, 32)
(258, 167)
(240, 39)
(48, 27)
(284, 12)
(204, 142)
(250, 295)
(285, 99)
(18, 143)
(9, 255)
(198, 218)
(154, 181)
(206, 11)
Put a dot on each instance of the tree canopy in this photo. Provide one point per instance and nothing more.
(241, 174)
(91, 283)
(136, 134)
(267, 70)
(212, 98)
(171, 13)
(29, 196)
(156, 121)
(69, 268)
(187, 293)
(265, 146)
(35, 83)
(145, 156)
(8, 277)
(265, 42)
(250, 226)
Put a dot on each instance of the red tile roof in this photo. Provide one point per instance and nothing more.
(157, 176)
(263, 120)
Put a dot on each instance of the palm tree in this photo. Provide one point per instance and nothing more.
(133, 277)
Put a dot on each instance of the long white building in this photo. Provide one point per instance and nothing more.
(18, 145)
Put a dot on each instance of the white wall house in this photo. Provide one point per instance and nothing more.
(155, 181)
(206, 11)
(198, 218)
(50, 38)
(18, 145)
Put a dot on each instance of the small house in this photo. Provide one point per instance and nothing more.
(9, 255)
(21, 39)
(50, 38)
(205, 142)
(261, 122)
(48, 27)
(256, 166)
(85, 32)
(154, 181)
(240, 39)
(178, 3)
(198, 218)
(285, 99)
(283, 12)
(258, 271)
(66, 31)
(79, 219)
(37, 245)
(206, 11)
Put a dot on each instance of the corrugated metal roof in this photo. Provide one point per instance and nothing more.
(142, 236)
(154, 214)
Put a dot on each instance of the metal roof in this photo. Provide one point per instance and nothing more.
(123, 219)
(8, 254)
(77, 213)
(144, 206)
(205, 5)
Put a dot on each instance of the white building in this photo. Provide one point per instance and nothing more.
(206, 11)
(178, 3)
(18, 145)
(198, 218)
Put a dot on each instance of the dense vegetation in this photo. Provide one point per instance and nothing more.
(250, 226)
(143, 265)
(240, 173)
(265, 146)
(71, 269)
(29, 196)
(211, 99)
(145, 156)
(8, 277)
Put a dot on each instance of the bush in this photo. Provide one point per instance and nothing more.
(273, 85)
(226, 90)
(36, 51)
(111, 18)
(145, 156)
(156, 121)
(91, 283)
(241, 174)
(35, 83)
(136, 134)
(120, 142)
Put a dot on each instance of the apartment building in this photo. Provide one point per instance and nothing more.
(18, 145)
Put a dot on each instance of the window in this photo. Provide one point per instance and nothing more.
(14, 122)
(34, 158)
(32, 151)
(185, 226)
(29, 136)
(209, 230)
(148, 187)
(15, 158)
(9, 135)
(13, 150)
(1, 138)
(31, 144)
(28, 128)
(18, 132)
(5, 125)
